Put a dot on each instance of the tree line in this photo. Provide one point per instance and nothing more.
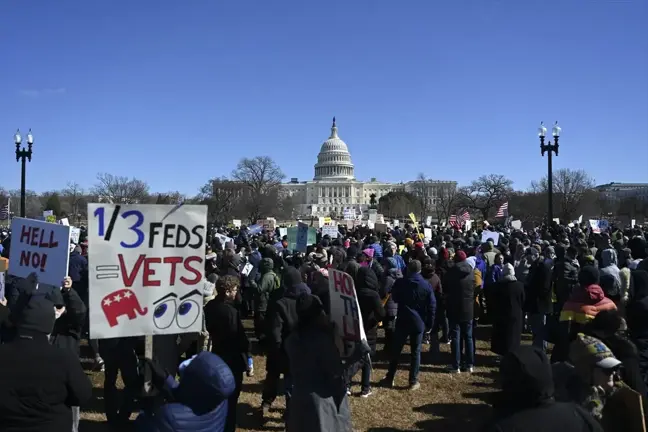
(253, 191)
(574, 195)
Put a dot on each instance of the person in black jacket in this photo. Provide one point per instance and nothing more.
(538, 302)
(40, 382)
(459, 286)
(229, 341)
(527, 402)
(373, 312)
(281, 320)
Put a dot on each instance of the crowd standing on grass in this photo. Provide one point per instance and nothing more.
(582, 293)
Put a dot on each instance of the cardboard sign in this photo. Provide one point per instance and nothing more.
(330, 230)
(345, 312)
(39, 247)
(147, 266)
(75, 233)
(490, 235)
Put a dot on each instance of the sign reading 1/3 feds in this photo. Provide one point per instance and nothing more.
(146, 269)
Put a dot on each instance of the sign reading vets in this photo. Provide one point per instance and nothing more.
(146, 269)
(345, 313)
(39, 247)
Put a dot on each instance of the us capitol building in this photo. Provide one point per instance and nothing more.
(335, 189)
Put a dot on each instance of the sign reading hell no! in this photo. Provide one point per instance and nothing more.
(146, 269)
(345, 312)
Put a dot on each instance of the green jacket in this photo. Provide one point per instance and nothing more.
(267, 285)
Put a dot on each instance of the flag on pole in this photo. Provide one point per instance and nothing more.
(503, 210)
(458, 221)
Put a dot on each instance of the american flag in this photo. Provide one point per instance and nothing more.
(503, 210)
(457, 221)
(4, 212)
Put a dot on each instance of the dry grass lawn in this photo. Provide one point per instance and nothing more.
(444, 403)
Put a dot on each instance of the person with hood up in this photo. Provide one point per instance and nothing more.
(320, 402)
(40, 382)
(416, 311)
(229, 341)
(281, 321)
(538, 301)
(268, 284)
(526, 402)
(459, 285)
(506, 302)
(610, 276)
(392, 274)
(373, 312)
(199, 403)
(581, 308)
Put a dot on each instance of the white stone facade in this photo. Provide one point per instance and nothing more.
(334, 187)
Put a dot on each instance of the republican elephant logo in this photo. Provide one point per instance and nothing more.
(121, 302)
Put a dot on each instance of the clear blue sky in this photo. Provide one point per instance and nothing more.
(176, 92)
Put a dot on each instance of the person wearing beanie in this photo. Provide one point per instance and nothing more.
(586, 301)
(459, 289)
(416, 312)
(320, 402)
(40, 382)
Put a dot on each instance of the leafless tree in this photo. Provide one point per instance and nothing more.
(261, 178)
(33, 203)
(74, 202)
(421, 189)
(398, 204)
(486, 193)
(220, 196)
(119, 189)
(570, 188)
(447, 201)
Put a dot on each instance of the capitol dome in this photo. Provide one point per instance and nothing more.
(334, 160)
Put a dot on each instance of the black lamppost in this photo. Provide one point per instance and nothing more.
(549, 148)
(23, 155)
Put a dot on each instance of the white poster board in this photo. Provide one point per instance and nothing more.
(330, 230)
(146, 269)
(75, 234)
(345, 312)
(223, 239)
(492, 235)
(236, 223)
(39, 247)
(516, 224)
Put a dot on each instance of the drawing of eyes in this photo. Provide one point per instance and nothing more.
(164, 313)
(187, 313)
(167, 310)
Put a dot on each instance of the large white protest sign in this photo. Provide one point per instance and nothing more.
(345, 312)
(146, 269)
(490, 235)
(330, 230)
(39, 247)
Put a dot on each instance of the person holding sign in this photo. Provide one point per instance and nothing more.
(40, 382)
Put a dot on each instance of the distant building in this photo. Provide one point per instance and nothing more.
(334, 187)
(617, 191)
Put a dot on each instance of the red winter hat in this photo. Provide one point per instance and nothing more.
(460, 256)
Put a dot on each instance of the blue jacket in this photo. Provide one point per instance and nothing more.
(378, 250)
(416, 303)
(200, 400)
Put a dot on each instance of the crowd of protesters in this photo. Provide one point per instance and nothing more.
(584, 294)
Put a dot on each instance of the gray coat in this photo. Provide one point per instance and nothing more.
(319, 401)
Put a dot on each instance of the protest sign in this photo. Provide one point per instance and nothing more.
(75, 233)
(594, 225)
(381, 227)
(396, 223)
(283, 232)
(300, 237)
(330, 230)
(345, 312)
(490, 235)
(349, 214)
(236, 223)
(516, 224)
(39, 247)
(64, 221)
(255, 229)
(223, 239)
(146, 269)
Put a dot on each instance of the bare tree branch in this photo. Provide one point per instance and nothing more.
(118, 189)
